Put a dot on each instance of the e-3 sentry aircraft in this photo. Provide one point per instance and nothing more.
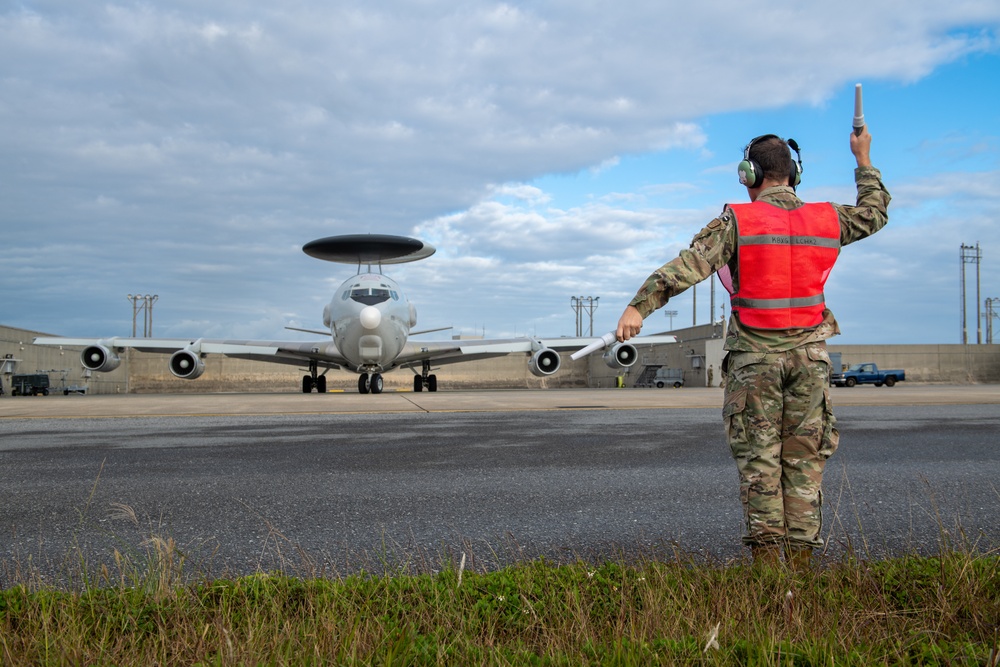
(370, 320)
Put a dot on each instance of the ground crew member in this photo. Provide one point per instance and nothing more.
(773, 255)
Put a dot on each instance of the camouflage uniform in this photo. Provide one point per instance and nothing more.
(777, 411)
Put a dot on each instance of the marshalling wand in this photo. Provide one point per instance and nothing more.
(599, 344)
(859, 114)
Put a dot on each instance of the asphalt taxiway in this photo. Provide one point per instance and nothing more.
(128, 405)
(338, 483)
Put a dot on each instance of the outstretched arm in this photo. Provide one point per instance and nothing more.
(870, 212)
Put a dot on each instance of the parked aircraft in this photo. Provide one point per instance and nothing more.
(369, 319)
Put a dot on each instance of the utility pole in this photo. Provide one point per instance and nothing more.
(711, 309)
(971, 255)
(147, 329)
(146, 309)
(991, 312)
(580, 304)
(694, 305)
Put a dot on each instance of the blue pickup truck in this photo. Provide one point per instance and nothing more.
(867, 374)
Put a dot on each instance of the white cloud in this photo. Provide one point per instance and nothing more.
(172, 143)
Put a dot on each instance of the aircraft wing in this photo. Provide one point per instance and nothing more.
(457, 351)
(102, 354)
(324, 353)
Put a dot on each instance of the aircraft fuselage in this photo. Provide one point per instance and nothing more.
(370, 320)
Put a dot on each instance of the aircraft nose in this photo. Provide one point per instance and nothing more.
(371, 317)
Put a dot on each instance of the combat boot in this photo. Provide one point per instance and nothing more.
(799, 559)
(766, 554)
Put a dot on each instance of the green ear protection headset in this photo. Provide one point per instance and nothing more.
(751, 174)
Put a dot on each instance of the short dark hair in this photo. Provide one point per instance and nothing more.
(774, 158)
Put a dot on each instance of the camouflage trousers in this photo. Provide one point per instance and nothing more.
(781, 429)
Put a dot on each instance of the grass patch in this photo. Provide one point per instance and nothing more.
(942, 610)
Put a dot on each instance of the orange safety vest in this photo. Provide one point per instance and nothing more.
(783, 260)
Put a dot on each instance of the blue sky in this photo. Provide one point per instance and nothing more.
(547, 149)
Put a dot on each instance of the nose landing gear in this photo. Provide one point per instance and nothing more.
(370, 383)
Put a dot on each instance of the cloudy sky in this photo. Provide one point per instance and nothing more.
(547, 149)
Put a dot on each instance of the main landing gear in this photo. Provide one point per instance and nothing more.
(313, 380)
(425, 379)
(370, 383)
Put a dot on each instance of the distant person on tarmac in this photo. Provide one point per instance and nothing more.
(774, 255)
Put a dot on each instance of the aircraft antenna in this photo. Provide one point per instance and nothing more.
(370, 249)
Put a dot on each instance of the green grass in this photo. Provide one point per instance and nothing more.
(145, 609)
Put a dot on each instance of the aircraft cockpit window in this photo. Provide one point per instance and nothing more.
(369, 295)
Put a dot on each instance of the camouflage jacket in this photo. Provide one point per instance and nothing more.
(714, 246)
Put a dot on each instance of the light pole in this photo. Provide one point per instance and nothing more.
(671, 314)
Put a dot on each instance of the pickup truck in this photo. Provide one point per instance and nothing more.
(867, 373)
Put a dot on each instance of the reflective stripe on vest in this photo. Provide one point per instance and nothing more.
(783, 260)
(774, 239)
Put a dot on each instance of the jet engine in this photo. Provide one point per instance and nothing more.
(99, 358)
(544, 362)
(621, 355)
(186, 365)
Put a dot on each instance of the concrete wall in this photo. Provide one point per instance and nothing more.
(930, 363)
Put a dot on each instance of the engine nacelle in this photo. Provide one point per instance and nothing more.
(621, 355)
(544, 362)
(186, 365)
(99, 358)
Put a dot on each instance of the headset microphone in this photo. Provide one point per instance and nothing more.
(859, 114)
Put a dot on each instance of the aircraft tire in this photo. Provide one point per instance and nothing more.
(418, 383)
(363, 383)
(432, 383)
(306, 384)
(321, 384)
(376, 383)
